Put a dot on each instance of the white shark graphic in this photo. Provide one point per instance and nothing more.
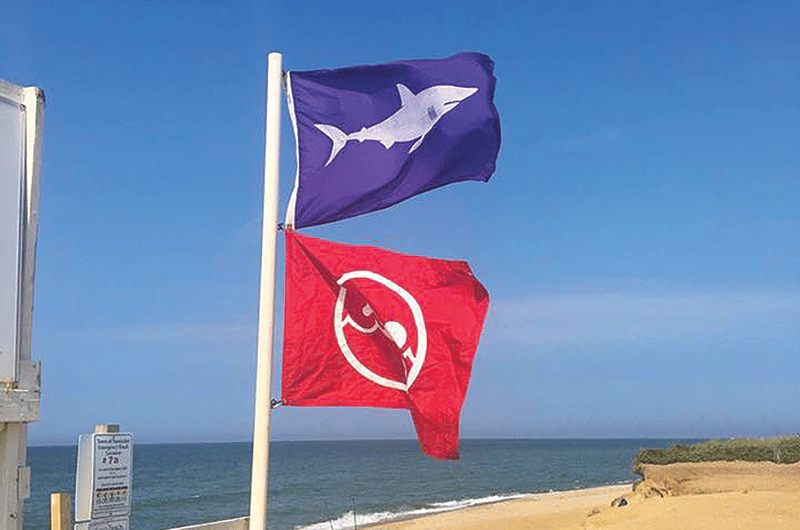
(417, 115)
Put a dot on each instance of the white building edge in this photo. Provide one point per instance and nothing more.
(21, 126)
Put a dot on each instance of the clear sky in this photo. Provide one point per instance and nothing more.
(640, 238)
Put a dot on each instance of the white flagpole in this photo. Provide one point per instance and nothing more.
(266, 312)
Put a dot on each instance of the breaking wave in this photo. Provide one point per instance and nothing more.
(346, 522)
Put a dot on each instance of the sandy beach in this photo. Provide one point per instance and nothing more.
(709, 496)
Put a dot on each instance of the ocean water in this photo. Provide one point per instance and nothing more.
(332, 485)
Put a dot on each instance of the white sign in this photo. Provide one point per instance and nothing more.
(103, 482)
(119, 523)
(12, 180)
(112, 475)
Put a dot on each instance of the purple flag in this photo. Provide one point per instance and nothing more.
(369, 137)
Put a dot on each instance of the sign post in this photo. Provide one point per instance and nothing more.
(21, 123)
(103, 479)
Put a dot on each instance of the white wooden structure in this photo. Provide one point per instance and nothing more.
(21, 122)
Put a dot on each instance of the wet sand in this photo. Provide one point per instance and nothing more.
(709, 496)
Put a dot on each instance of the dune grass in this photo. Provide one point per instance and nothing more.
(781, 450)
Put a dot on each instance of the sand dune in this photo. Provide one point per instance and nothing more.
(709, 496)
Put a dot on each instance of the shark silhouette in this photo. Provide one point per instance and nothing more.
(417, 115)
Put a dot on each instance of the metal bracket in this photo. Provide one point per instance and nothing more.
(24, 482)
(19, 403)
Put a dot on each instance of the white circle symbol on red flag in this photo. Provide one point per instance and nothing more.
(393, 330)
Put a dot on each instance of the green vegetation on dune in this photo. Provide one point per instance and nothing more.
(782, 450)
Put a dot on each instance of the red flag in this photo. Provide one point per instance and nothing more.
(373, 328)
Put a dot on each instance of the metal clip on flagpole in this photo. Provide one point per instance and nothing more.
(266, 312)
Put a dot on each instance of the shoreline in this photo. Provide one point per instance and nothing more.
(391, 520)
(709, 495)
(567, 499)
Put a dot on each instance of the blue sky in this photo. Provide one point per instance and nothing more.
(639, 238)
